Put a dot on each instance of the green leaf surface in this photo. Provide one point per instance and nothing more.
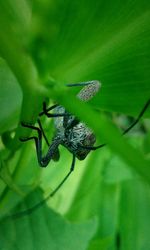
(108, 41)
(94, 196)
(134, 215)
(47, 44)
(44, 229)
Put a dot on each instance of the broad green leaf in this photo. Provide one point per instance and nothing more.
(44, 229)
(95, 197)
(134, 215)
(116, 171)
(100, 244)
(108, 41)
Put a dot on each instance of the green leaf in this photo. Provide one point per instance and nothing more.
(44, 229)
(90, 196)
(108, 41)
(116, 171)
(134, 215)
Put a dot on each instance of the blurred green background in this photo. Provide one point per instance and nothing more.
(45, 44)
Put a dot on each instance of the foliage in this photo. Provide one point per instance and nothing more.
(44, 45)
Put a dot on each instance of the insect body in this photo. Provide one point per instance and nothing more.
(73, 134)
(70, 132)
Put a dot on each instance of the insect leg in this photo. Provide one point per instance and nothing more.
(42, 130)
(56, 154)
(49, 109)
(43, 160)
(138, 118)
(94, 147)
(45, 111)
(38, 205)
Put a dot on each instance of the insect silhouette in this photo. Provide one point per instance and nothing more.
(72, 133)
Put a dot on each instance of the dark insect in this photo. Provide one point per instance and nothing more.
(70, 132)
